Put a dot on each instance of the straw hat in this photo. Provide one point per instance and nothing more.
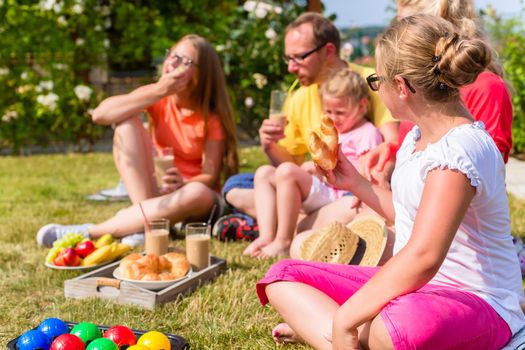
(361, 242)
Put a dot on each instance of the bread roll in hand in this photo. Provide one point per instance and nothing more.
(323, 145)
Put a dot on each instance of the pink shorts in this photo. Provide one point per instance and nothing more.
(433, 317)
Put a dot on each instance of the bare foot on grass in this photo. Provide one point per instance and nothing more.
(274, 249)
(255, 247)
(282, 334)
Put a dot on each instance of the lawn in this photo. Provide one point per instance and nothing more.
(42, 189)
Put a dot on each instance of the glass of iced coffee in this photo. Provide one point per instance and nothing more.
(164, 159)
(198, 245)
(157, 236)
(277, 100)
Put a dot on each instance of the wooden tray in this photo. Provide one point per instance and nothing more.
(101, 284)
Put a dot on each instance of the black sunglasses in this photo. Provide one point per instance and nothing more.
(375, 80)
(298, 59)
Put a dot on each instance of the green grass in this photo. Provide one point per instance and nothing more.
(42, 189)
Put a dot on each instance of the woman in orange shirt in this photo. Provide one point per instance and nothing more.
(190, 111)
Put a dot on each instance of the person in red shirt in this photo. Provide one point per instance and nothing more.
(189, 111)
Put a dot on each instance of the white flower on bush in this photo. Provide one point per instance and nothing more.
(278, 10)
(105, 43)
(97, 28)
(107, 23)
(59, 66)
(49, 101)
(9, 116)
(260, 8)
(61, 20)
(83, 92)
(24, 75)
(4, 71)
(270, 34)
(260, 80)
(51, 5)
(80, 42)
(248, 102)
(260, 12)
(1, 3)
(77, 8)
(44, 85)
(219, 48)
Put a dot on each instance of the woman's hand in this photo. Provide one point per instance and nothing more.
(171, 181)
(173, 82)
(343, 337)
(343, 172)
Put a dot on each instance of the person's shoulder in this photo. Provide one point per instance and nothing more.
(487, 81)
(305, 92)
(362, 70)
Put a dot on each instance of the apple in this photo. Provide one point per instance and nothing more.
(67, 257)
(84, 248)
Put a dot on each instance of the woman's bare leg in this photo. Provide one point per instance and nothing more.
(306, 310)
(265, 207)
(309, 315)
(193, 201)
(293, 185)
(133, 156)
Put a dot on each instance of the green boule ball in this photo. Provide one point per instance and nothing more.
(102, 344)
(86, 331)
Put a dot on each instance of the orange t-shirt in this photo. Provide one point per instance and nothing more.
(186, 134)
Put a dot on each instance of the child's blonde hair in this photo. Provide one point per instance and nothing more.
(345, 83)
(462, 15)
(428, 52)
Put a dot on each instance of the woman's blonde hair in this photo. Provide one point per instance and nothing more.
(462, 15)
(345, 83)
(428, 52)
(211, 95)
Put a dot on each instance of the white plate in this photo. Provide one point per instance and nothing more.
(53, 266)
(150, 285)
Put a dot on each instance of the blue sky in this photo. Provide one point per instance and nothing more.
(369, 12)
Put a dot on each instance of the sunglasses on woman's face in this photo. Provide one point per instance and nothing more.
(374, 81)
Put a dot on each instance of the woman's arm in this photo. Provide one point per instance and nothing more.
(211, 163)
(446, 197)
(118, 108)
(345, 176)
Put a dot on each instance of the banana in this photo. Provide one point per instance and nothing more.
(104, 240)
(99, 256)
(118, 249)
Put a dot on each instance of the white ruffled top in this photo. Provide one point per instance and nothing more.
(481, 259)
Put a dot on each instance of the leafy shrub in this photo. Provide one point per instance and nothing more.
(50, 48)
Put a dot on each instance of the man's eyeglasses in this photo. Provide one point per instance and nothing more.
(375, 80)
(298, 59)
(177, 59)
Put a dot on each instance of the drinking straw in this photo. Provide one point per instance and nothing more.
(211, 215)
(148, 227)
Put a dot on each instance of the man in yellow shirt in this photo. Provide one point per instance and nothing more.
(312, 46)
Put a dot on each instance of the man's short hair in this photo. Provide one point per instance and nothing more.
(324, 30)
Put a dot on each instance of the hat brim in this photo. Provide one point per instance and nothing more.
(373, 235)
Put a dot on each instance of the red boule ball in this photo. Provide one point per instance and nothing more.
(121, 335)
(67, 342)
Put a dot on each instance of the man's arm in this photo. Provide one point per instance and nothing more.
(269, 133)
